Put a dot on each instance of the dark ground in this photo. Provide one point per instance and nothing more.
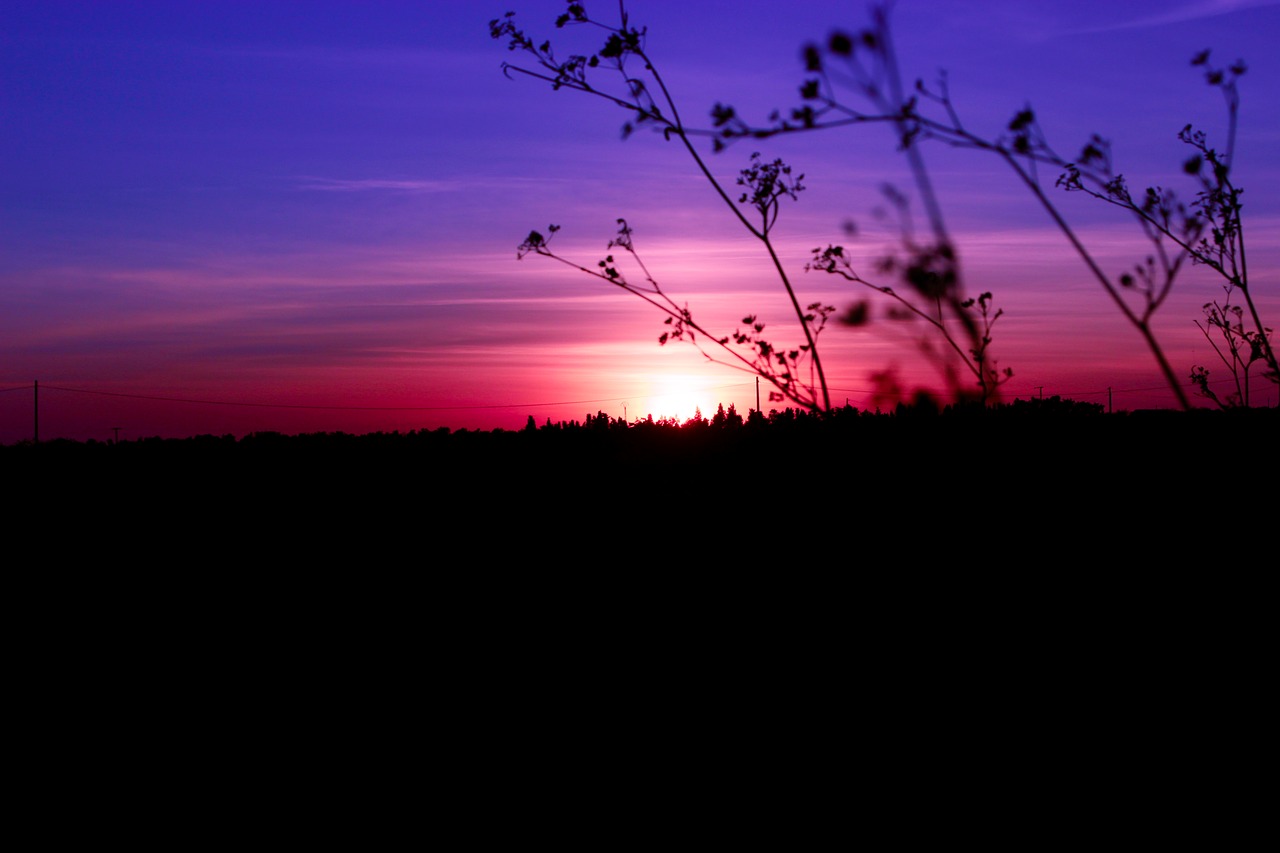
(1077, 479)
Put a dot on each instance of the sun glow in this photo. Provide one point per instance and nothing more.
(679, 396)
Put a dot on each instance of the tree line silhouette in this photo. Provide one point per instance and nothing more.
(826, 482)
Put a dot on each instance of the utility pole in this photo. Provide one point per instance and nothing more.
(1109, 410)
(35, 407)
(1040, 389)
(116, 430)
(757, 393)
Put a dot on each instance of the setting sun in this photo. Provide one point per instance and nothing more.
(679, 396)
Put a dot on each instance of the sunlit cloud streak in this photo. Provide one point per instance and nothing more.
(1180, 14)
(368, 184)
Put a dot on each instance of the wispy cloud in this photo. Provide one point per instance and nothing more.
(383, 184)
(470, 184)
(1193, 11)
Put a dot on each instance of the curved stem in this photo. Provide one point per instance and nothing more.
(674, 312)
(759, 234)
(808, 333)
(1140, 323)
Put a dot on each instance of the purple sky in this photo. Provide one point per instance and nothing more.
(317, 204)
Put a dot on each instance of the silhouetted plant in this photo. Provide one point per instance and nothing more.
(940, 300)
(1241, 347)
(1223, 251)
(744, 348)
(1208, 231)
(958, 327)
(797, 371)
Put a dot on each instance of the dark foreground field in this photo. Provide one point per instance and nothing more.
(1001, 563)
(790, 478)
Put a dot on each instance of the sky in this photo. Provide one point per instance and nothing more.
(228, 217)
